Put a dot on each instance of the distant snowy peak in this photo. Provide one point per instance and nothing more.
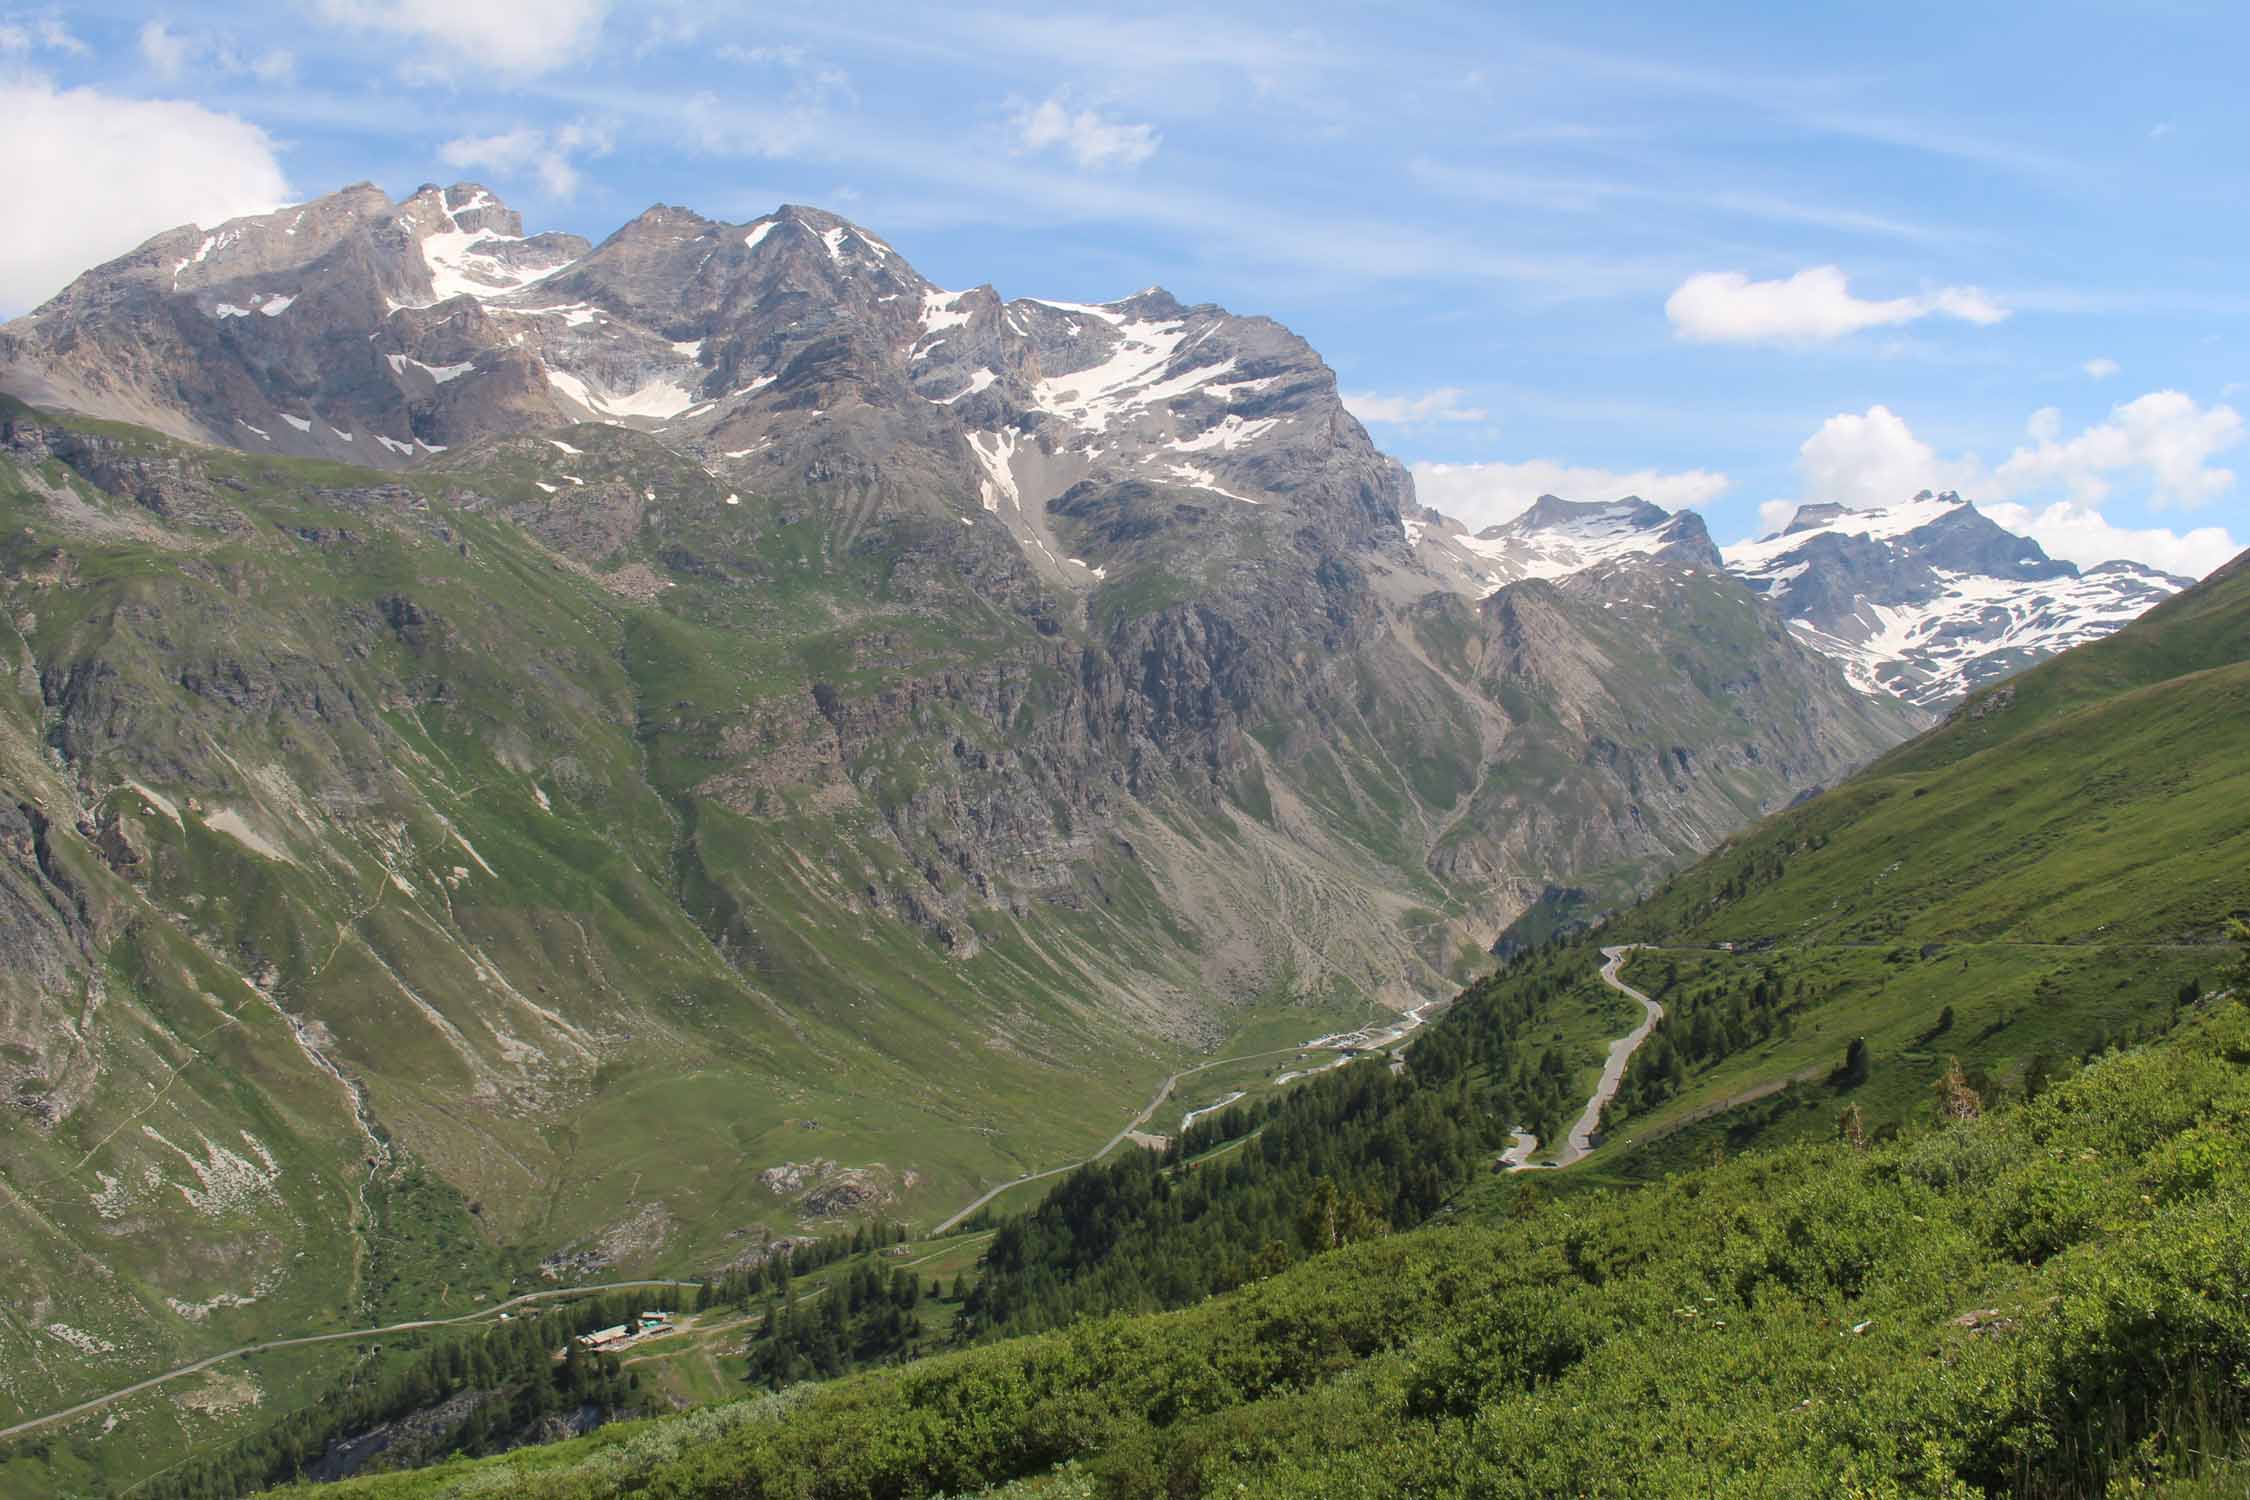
(1924, 600)
(1558, 537)
(1931, 598)
(1943, 528)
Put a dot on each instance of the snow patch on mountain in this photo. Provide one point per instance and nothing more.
(1204, 479)
(460, 265)
(657, 399)
(998, 463)
(940, 312)
(978, 380)
(1229, 433)
(1132, 377)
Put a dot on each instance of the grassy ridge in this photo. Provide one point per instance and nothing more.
(2053, 866)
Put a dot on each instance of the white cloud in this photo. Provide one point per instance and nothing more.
(1813, 306)
(2164, 435)
(1480, 495)
(2164, 438)
(517, 37)
(2086, 537)
(1440, 405)
(1874, 459)
(2101, 368)
(108, 172)
(547, 153)
(170, 53)
(1086, 137)
(1774, 514)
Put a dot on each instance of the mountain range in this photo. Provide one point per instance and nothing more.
(529, 760)
(1925, 600)
(363, 330)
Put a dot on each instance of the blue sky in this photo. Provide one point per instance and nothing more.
(1729, 256)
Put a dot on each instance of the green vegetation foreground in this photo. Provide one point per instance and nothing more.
(2048, 1300)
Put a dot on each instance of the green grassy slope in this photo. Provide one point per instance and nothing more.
(2044, 1301)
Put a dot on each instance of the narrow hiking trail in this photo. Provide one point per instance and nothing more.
(481, 1314)
(1580, 1138)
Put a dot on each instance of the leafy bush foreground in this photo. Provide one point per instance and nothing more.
(2050, 1300)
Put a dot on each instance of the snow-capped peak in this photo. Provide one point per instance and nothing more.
(1557, 537)
(465, 253)
(1930, 598)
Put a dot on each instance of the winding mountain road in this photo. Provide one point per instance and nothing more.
(1580, 1140)
(1146, 1114)
(1374, 1037)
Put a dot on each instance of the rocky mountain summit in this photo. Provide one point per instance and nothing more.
(1556, 537)
(374, 332)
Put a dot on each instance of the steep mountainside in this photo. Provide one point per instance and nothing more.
(2037, 1301)
(826, 782)
(2053, 867)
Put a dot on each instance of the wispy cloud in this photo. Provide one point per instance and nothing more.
(1085, 136)
(1589, 194)
(26, 34)
(451, 39)
(550, 155)
(1440, 405)
(171, 54)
